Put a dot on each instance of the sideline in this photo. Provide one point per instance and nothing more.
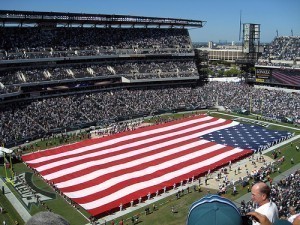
(22, 211)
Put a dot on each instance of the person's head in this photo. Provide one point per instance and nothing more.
(260, 193)
(47, 218)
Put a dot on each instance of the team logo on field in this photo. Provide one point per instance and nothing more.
(29, 192)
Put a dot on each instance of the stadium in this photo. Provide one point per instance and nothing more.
(106, 118)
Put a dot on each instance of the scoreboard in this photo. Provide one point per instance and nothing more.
(263, 75)
(283, 76)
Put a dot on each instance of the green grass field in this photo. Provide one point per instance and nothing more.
(162, 215)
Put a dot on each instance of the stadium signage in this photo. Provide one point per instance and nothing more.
(260, 80)
(263, 71)
(29, 193)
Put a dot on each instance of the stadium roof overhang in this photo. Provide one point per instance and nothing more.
(53, 19)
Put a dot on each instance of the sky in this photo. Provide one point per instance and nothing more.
(222, 17)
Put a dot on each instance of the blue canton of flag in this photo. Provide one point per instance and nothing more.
(247, 136)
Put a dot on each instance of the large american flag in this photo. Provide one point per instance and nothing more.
(100, 174)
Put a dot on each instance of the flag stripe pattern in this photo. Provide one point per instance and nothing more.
(100, 174)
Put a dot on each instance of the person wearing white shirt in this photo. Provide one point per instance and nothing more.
(261, 196)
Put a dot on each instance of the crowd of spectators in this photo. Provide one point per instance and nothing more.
(41, 42)
(283, 48)
(272, 104)
(279, 63)
(144, 69)
(23, 120)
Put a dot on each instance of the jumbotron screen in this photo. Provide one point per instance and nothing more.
(281, 76)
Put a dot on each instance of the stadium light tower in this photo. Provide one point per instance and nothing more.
(251, 40)
(250, 47)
